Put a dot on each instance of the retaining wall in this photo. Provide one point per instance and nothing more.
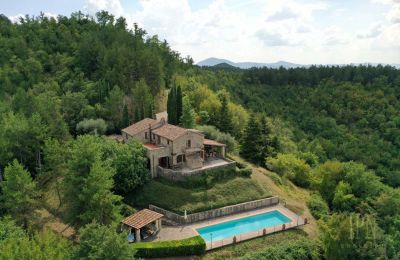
(179, 175)
(214, 213)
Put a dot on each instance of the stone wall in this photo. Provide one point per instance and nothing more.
(178, 175)
(214, 213)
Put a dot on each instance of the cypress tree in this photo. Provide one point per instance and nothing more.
(150, 109)
(179, 107)
(125, 117)
(171, 107)
(137, 114)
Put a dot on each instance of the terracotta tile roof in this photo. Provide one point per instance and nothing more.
(170, 132)
(212, 142)
(139, 126)
(195, 131)
(151, 146)
(142, 218)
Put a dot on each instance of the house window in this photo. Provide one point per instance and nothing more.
(154, 136)
(189, 143)
(158, 140)
(167, 141)
(181, 158)
(145, 135)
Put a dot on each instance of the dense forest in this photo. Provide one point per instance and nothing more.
(66, 83)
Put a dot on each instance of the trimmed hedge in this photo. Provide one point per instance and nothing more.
(185, 247)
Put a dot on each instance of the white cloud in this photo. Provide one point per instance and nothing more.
(372, 32)
(386, 1)
(282, 14)
(271, 38)
(16, 18)
(334, 36)
(303, 29)
(265, 30)
(112, 6)
(394, 14)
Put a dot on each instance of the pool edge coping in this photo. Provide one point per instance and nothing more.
(279, 207)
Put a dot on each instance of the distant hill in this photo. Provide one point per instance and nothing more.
(223, 63)
(246, 65)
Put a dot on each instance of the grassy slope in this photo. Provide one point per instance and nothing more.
(254, 245)
(174, 197)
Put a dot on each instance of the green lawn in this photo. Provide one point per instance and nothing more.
(178, 198)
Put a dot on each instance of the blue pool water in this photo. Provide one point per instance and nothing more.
(243, 225)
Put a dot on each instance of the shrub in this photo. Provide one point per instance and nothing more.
(92, 126)
(317, 205)
(295, 169)
(275, 178)
(127, 210)
(241, 165)
(185, 247)
(245, 172)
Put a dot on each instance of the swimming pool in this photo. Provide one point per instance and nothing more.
(241, 226)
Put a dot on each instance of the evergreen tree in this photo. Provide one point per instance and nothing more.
(172, 107)
(88, 184)
(19, 193)
(137, 114)
(252, 132)
(179, 105)
(224, 117)
(188, 114)
(269, 145)
(126, 121)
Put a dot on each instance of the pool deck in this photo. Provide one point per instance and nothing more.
(189, 230)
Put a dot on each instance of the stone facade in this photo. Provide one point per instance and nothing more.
(171, 147)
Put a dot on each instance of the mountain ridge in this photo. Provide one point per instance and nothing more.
(212, 61)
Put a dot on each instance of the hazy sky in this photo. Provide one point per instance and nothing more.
(312, 31)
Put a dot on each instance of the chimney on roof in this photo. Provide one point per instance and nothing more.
(162, 121)
(151, 138)
(162, 115)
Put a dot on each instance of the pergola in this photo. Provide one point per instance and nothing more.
(141, 219)
(209, 144)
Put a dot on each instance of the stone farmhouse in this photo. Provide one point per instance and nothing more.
(175, 152)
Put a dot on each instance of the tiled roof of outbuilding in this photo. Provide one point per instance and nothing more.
(142, 218)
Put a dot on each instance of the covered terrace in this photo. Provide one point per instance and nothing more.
(213, 149)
